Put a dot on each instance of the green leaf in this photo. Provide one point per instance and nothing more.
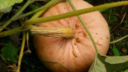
(103, 10)
(126, 70)
(5, 5)
(109, 64)
(115, 51)
(116, 59)
(97, 66)
(9, 52)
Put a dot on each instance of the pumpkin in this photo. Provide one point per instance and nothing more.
(72, 54)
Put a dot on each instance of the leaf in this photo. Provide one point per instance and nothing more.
(109, 64)
(103, 10)
(116, 59)
(115, 51)
(5, 5)
(97, 66)
(126, 70)
(9, 52)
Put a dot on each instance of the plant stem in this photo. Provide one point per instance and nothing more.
(39, 13)
(85, 27)
(75, 13)
(53, 32)
(21, 53)
(27, 42)
(65, 15)
(16, 15)
(11, 32)
(118, 40)
(52, 2)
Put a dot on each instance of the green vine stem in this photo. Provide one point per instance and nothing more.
(85, 27)
(118, 40)
(65, 15)
(75, 13)
(11, 32)
(39, 13)
(52, 2)
(16, 15)
(21, 53)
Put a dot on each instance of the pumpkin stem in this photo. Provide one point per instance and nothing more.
(53, 32)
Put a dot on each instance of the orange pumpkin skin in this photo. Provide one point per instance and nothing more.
(78, 53)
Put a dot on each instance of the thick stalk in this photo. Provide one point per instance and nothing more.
(77, 12)
(53, 32)
(11, 32)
